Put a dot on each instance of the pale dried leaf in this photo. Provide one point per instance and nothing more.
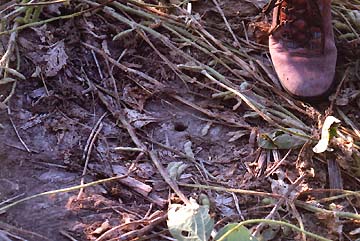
(55, 58)
(188, 149)
(191, 222)
(137, 119)
(235, 135)
(175, 169)
(322, 145)
(104, 226)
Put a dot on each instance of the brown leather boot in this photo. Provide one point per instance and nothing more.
(302, 46)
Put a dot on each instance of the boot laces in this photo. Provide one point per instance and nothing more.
(298, 24)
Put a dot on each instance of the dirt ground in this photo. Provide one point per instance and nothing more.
(79, 114)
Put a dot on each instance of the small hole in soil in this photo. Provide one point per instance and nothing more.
(185, 233)
(274, 176)
(179, 126)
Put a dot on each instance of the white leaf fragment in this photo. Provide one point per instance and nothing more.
(188, 149)
(325, 134)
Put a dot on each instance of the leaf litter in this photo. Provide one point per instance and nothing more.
(188, 97)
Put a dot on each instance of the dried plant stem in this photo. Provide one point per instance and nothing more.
(17, 132)
(234, 190)
(88, 148)
(70, 189)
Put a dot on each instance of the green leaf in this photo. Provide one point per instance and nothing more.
(282, 140)
(240, 233)
(190, 222)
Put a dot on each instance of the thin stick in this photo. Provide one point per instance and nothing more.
(22, 231)
(4, 234)
(227, 23)
(276, 166)
(138, 233)
(41, 3)
(88, 148)
(11, 199)
(297, 215)
(97, 65)
(66, 234)
(16, 131)
(338, 89)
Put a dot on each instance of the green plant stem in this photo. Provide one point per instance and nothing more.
(34, 24)
(298, 203)
(281, 223)
(335, 213)
(69, 189)
(43, 3)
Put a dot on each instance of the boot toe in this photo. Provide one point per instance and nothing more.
(304, 76)
(302, 47)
